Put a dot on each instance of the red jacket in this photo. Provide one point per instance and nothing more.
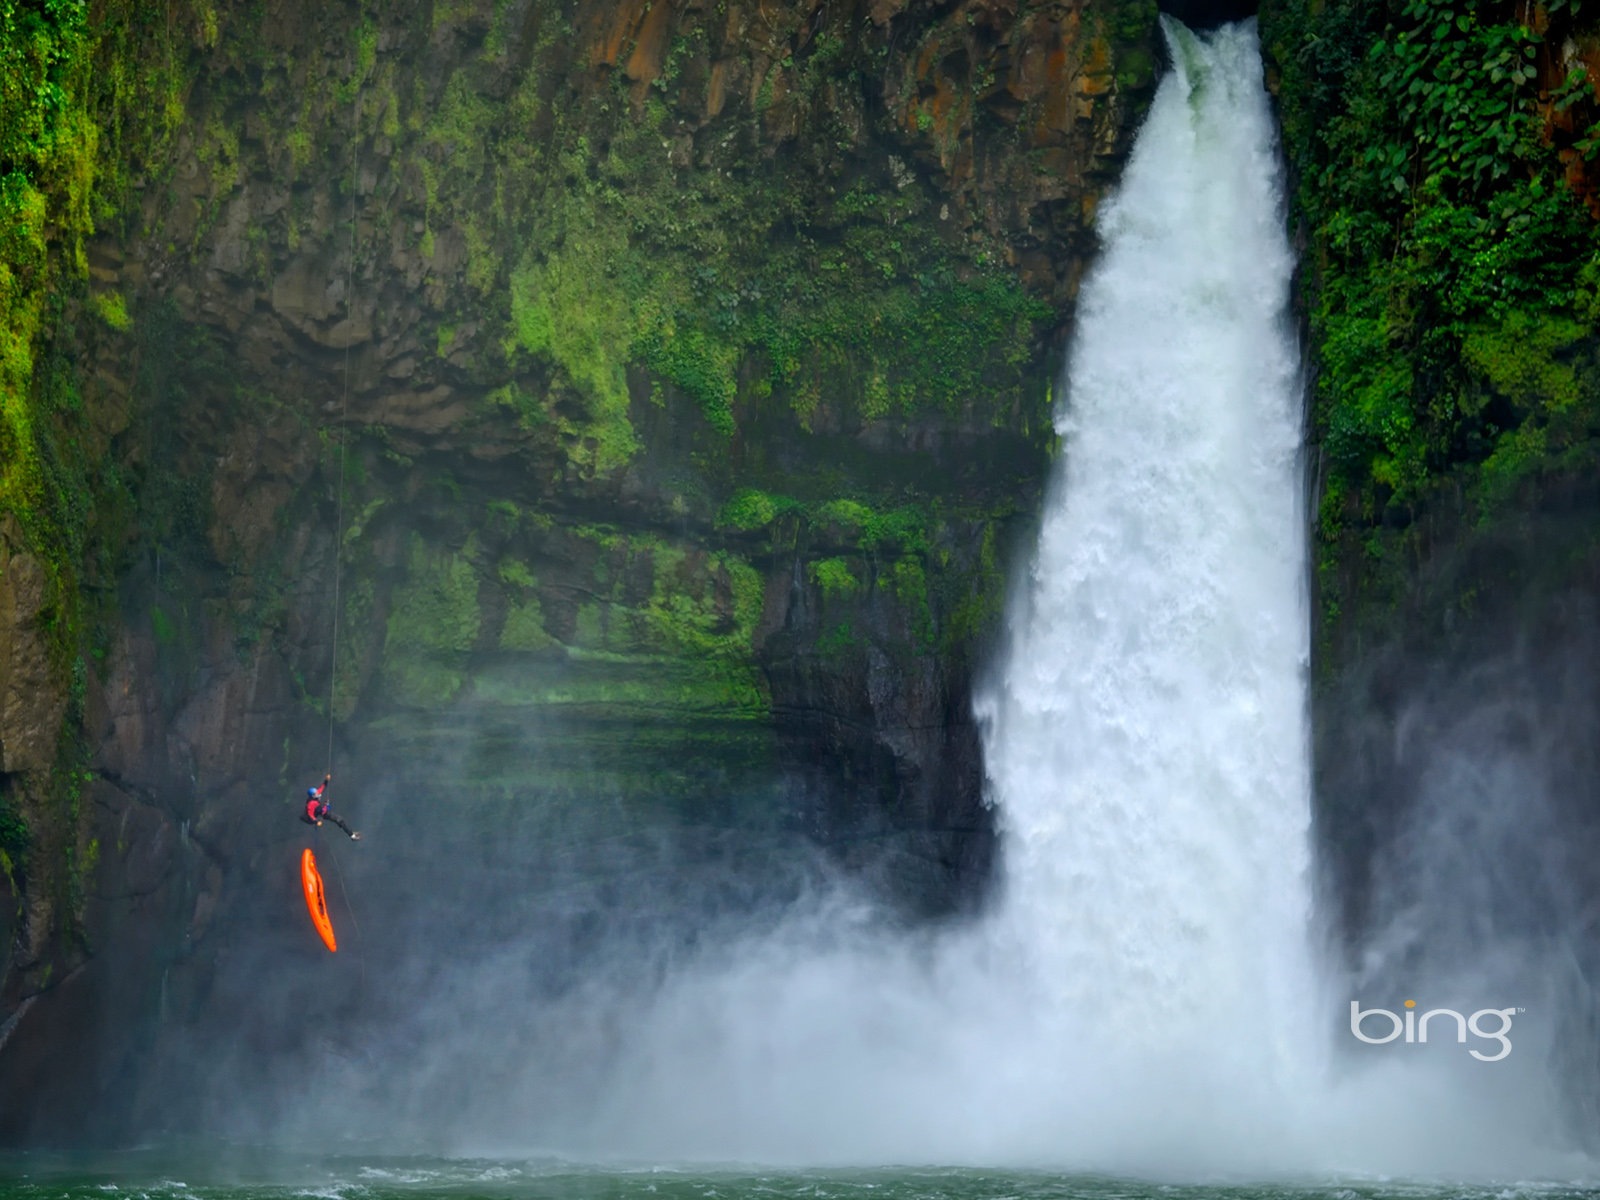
(316, 806)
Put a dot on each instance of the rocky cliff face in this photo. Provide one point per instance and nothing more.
(597, 431)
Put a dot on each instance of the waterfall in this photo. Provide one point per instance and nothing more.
(1144, 997)
(1146, 734)
(1146, 729)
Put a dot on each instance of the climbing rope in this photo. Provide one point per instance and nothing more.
(344, 894)
(338, 522)
(344, 408)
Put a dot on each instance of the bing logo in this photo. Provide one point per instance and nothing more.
(1415, 1028)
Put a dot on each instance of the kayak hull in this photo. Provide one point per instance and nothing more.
(316, 898)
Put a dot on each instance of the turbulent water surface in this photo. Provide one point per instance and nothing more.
(152, 1177)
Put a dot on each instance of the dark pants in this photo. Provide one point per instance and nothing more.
(328, 816)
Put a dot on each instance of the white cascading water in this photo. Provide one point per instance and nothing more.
(1146, 739)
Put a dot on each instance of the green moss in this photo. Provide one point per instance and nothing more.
(112, 309)
(355, 642)
(561, 310)
(751, 509)
(433, 624)
(749, 599)
(47, 154)
(524, 629)
(161, 627)
(833, 576)
(637, 688)
(515, 572)
(700, 608)
(457, 122)
(908, 580)
(86, 108)
(850, 514)
(701, 365)
(838, 642)
(688, 644)
(590, 627)
(356, 525)
(366, 54)
(872, 529)
(741, 291)
(218, 152)
(976, 598)
(1518, 357)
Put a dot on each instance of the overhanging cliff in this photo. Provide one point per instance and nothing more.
(646, 398)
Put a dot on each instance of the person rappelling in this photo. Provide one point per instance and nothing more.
(317, 810)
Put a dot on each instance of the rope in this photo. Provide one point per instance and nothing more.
(344, 408)
(338, 522)
(344, 395)
(361, 942)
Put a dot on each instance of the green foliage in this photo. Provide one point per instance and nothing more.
(871, 529)
(976, 606)
(750, 510)
(684, 646)
(366, 54)
(357, 634)
(838, 642)
(1518, 358)
(1131, 29)
(46, 162)
(14, 838)
(562, 311)
(833, 576)
(515, 572)
(695, 362)
(161, 627)
(1463, 86)
(444, 339)
(39, 47)
(705, 610)
(1449, 263)
(83, 106)
(904, 527)
(524, 629)
(134, 91)
(913, 342)
(1518, 455)
(851, 515)
(908, 581)
(112, 309)
(589, 631)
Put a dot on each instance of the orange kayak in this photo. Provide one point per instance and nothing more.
(316, 899)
